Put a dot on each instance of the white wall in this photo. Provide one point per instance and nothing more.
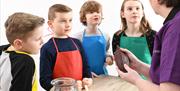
(110, 24)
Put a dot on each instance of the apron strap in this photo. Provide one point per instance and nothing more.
(74, 43)
(55, 45)
(99, 31)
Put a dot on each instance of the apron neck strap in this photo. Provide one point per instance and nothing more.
(70, 39)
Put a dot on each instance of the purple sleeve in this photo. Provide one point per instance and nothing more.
(170, 55)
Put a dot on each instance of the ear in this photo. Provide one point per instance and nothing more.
(18, 44)
(50, 23)
(122, 14)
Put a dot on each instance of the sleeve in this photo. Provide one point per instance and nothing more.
(46, 66)
(86, 68)
(108, 53)
(23, 72)
(170, 59)
(115, 42)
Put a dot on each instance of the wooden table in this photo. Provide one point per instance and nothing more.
(111, 83)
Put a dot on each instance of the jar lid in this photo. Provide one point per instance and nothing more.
(63, 81)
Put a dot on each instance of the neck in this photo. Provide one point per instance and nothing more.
(60, 36)
(164, 11)
(133, 30)
(91, 29)
(11, 48)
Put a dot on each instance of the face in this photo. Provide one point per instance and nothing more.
(93, 18)
(34, 41)
(133, 12)
(62, 24)
(154, 5)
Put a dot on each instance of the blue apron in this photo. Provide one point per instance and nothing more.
(95, 49)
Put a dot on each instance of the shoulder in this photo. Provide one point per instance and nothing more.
(76, 40)
(150, 32)
(4, 47)
(78, 35)
(21, 59)
(48, 44)
(117, 34)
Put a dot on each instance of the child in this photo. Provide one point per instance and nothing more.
(62, 56)
(164, 72)
(24, 33)
(95, 42)
(136, 34)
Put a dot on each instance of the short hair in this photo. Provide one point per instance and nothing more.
(57, 8)
(170, 3)
(89, 6)
(19, 24)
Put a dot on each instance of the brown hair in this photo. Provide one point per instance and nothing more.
(57, 8)
(20, 24)
(144, 26)
(89, 6)
(170, 3)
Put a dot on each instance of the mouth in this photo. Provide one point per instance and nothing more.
(96, 18)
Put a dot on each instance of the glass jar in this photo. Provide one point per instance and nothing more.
(64, 84)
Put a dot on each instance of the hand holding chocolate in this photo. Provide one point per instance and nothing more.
(121, 58)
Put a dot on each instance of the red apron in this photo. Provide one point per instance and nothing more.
(68, 64)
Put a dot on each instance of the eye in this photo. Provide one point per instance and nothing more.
(129, 8)
(137, 8)
(70, 20)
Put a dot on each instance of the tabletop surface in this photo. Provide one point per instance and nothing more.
(111, 83)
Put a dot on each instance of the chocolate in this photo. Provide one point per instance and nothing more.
(121, 58)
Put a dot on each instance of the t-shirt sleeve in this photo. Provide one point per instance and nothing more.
(170, 59)
(23, 72)
(46, 65)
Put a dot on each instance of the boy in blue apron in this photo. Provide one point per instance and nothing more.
(62, 56)
(136, 34)
(95, 42)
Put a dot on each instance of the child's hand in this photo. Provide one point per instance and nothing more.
(87, 82)
(79, 85)
(109, 60)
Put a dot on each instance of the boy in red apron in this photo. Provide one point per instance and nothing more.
(62, 56)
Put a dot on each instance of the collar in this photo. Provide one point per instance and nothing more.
(172, 14)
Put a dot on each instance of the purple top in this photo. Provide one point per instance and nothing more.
(165, 65)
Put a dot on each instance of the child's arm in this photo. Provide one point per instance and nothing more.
(46, 65)
(23, 70)
(109, 57)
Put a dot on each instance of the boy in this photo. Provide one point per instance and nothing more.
(62, 56)
(24, 33)
(95, 42)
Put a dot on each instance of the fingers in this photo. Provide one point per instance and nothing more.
(94, 75)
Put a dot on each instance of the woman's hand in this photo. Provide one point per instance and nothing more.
(134, 61)
(131, 75)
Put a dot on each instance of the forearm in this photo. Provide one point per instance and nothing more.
(145, 85)
(143, 68)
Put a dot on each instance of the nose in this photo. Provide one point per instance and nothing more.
(68, 24)
(134, 10)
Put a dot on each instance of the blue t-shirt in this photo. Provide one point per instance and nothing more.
(166, 53)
